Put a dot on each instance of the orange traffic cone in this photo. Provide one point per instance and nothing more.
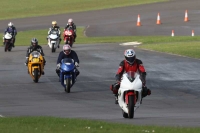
(186, 16)
(192, 32)
(172, 32)
(158, 19)
(138, 21)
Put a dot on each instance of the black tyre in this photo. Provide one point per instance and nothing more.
(36, 75)
(72, 44)
(9, 49)
(5, 47)
(52, 48)
(131, 106)
(68, 85)
(125, 115)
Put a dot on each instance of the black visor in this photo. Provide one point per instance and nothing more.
(131, 60)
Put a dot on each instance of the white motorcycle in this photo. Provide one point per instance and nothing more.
(130, 93)
(53, 41)
(8, 40)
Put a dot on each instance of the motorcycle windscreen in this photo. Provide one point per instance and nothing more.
(55, 32)
(131, 76)
(67, 64)
(8, 36)
(35, 54)
(68, 32)
(53, 37)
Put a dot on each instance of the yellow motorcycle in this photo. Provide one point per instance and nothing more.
(35, 65)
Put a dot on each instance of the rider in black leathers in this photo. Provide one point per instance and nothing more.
(34, 47)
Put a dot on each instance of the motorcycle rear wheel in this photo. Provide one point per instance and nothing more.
(131, 105)
(36, 75)
(68, 85)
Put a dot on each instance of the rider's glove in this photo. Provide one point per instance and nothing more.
(26, 62)
(76, 64)
(58, 66)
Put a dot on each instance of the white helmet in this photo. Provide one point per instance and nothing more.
(10, 24)
(67, 49)
(130, 56)
(70, 21)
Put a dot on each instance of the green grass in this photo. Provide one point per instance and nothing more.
(28, 8)
(190, 49)
(182, 45)
(65, 125)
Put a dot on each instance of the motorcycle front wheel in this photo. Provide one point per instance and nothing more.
(68, 85)
(36, 75)
(10, 48)
(6, 47)
(131, 105)
(52, 48)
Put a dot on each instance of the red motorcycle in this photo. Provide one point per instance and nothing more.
(68, 35)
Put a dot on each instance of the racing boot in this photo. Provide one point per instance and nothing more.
(58, 73)
(145, 91)
(42, 72)
(77, 73)
(114, 88)
(13, 44)
(74, 37)
(59, 42)
(116, 99)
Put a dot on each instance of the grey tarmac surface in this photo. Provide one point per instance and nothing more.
(174, 80)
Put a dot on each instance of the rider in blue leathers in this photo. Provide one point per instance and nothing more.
(67, 53)
(11, 29)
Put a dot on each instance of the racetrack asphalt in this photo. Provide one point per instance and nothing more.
(174, 80)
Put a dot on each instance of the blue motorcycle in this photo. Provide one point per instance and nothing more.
(67, 73)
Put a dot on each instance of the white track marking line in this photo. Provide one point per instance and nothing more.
(85, 30)
(130, 43)
(1, 116)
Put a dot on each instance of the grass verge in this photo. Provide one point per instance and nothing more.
(29, 8)
(182, 45)
(63, 125)
(190, 49)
